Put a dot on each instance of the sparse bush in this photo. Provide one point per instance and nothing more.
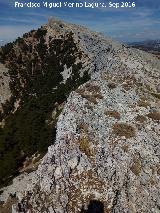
(154, 116)
(112, 85)
(122, 129)
(90, 98)
(93, 88)
(141, 118)
(84, 127)
(125, 148)
(113, 114)
(99, 96)
(84, 145)
(136, 166)
(143, 103)
(80, 90)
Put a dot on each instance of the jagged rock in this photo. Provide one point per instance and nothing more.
(110, 160)
(58, 173)
(72, 163)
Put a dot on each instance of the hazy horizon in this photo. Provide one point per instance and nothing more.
(126, 25)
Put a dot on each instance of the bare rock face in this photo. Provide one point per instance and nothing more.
(106, 154)
(99, 157)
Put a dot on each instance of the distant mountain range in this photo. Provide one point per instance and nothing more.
(152, 46)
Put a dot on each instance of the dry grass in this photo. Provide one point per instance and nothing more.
(93, 88)
(7, 207)
(143, 103)
(113, 114)
(122, 129)
(136, 166)
(106, 76)
(83, 126)
(92, 98)
(152, 181)
(112, 85)
(141, 118)
(125, 148)
(98, 95)
(90, 88)
(154, 116)
(84, 145)
(80, 90)
(90, 92)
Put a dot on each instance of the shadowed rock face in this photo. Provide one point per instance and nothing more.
(95, 207)
(106, 153)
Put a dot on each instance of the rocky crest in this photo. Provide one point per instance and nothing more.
(107, 138)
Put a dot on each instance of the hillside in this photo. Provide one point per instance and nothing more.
(95, 103)
(42, 71)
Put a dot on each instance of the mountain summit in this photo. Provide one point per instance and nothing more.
(98, 101)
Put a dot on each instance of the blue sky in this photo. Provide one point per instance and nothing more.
(124, 24)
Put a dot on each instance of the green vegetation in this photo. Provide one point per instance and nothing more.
(36, 82)
(4, 51)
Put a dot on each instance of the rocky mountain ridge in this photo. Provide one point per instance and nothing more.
(107, 138)
(43, 68)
